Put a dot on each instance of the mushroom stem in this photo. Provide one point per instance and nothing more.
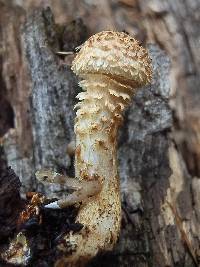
(98, 118)
(97, 122)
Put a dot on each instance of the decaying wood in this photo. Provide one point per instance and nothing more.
(175, 26)
(146, 122)
(160, 199)
(14, 93)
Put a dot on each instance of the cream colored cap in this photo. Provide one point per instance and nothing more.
(117, 55)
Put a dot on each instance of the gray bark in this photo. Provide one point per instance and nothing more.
(54, 88)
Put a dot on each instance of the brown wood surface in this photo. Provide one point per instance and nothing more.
(159, 154)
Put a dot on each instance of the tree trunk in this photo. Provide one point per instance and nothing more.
(174, 25)
(158, 166)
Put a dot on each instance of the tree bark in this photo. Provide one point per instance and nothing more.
(53, 94)
(160, 193)
(52, 112)
(174, 25)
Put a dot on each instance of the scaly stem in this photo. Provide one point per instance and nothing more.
(97, 122)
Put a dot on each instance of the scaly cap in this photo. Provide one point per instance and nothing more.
(117, 55)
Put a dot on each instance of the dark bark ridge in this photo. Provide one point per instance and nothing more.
(54, 88)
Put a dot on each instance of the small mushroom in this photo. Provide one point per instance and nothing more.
(112, 66)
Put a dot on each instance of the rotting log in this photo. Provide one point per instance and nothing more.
(174, 25)
(159, 225)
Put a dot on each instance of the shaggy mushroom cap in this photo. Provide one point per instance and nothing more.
(115, 54)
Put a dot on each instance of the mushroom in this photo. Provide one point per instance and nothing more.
(111, 65)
